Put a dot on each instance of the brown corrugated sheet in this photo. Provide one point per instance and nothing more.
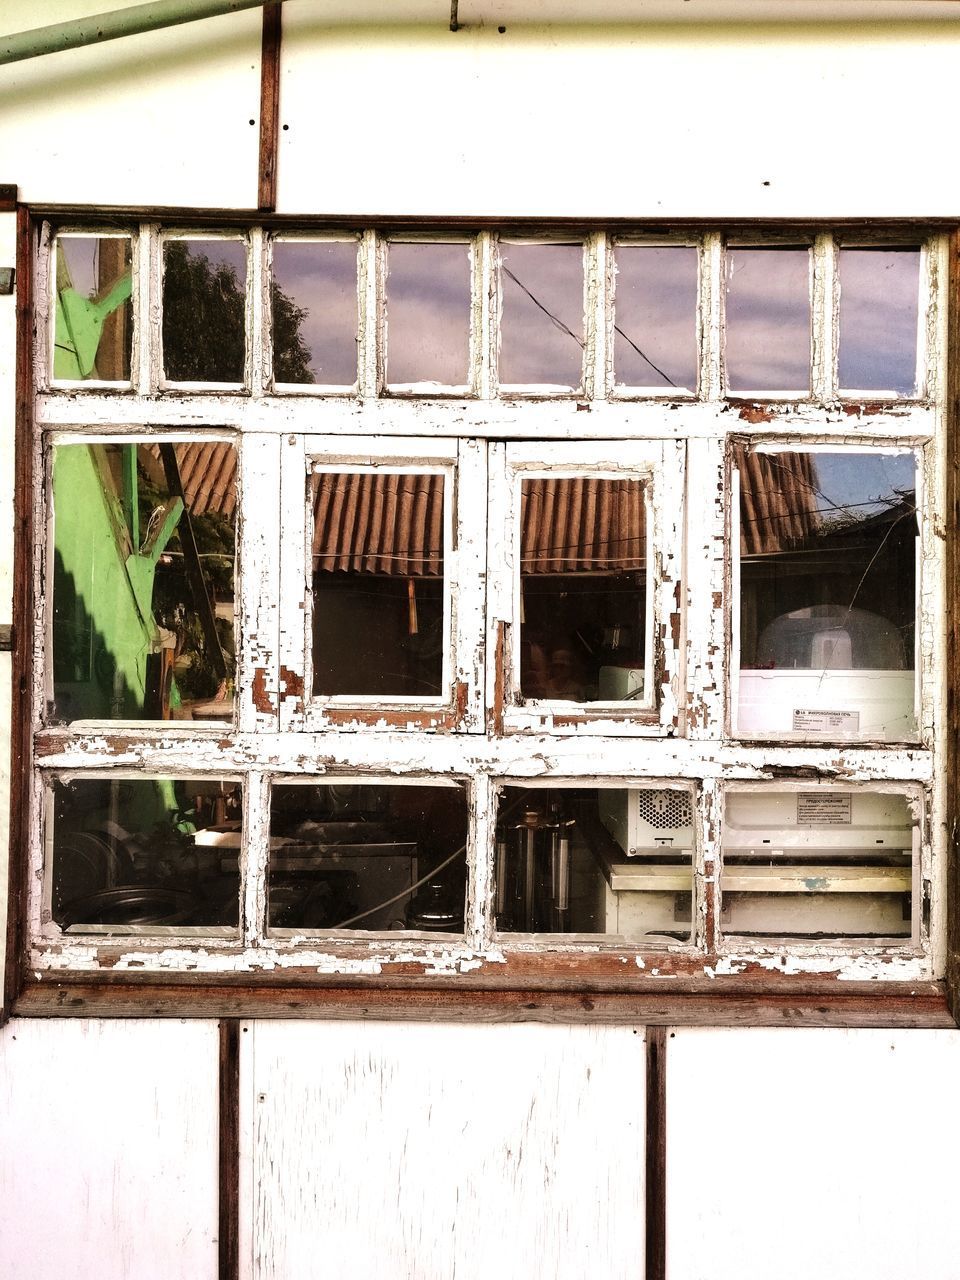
(572, 524)
(371, 522)
(778, 500)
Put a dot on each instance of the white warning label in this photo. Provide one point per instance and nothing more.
(824, 808)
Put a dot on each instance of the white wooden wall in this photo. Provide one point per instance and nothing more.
(422, 1151)
(108, 1150)
(439, 1151)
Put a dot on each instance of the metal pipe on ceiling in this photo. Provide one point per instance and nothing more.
(113, 25)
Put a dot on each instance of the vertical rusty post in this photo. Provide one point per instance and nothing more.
(22, 664)
(229, 1151)
(656, 1155)
(269, 107)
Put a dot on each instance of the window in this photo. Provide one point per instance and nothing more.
(496, 608)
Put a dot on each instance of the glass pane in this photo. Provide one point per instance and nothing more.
(879, 300)
(541, 328)
(767, 344)
(428, 314)
(827, 593)
(818, 864)
(143, 581)
(314, 297)
(94, 315)
(583, 588)
(367, 857)
(150, 855)
(378, 584)
(204, 310)
(596, 860)
(655, 338)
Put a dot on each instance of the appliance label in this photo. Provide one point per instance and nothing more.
(824, 809)
(826, 721)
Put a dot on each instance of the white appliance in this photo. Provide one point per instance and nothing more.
(647, 887)
(818, 863)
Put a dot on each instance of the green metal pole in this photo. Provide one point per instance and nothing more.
(112, 26)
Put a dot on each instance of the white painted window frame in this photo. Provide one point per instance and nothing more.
(260, 746)
(659, 466)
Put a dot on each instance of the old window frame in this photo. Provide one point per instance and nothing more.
(702, 756)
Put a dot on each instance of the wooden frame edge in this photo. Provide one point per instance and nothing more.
(51, 997)
(952, 585)
(20, 745)
(228, 1227)
(269, 107)
(655, 1188)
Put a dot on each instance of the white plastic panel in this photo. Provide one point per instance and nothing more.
(812, 1153)
(388, 1152)
(638, 121)
(167, 118)
(108, 1160)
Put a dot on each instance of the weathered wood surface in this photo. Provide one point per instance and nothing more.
(108, 1153)
(432, 1152)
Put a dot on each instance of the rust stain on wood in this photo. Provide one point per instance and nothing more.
(261, 694)
(755, 413)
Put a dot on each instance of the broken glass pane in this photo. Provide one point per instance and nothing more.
(145, 855)
(428, 314)
(367, 857)
(615, 861)
(541, 326)
(655, 336)
(879, 300)
(767, 345)
(94, 316)
(143, 581)
(818, 864)
(827, 593)
(378, 583)
(583, 589)
(314, 299)
(204, 310)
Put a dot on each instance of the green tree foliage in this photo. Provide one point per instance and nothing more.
(204, 322)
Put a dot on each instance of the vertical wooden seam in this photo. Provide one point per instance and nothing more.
(269, 107)
(22, 613)
(655, 1241)
(952, 462)
(228, 1232)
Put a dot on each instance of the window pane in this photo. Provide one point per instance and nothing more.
(596, 860)
(541, 328)
(583, 588)
(314, 298)
(818, 864)
(150, 855)
(879, 298)
(767, 344)
(143, 581)
(368, 857)
(428, 314)
(94, 316)
(378, 584)
(827, 593)
(204, 310)
(655, 339)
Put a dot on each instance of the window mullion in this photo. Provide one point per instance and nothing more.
(825, 314)
(258, 620)
(595, 317)
(710, 326)
(258, 313)
(486, 281)
(254, 857)
(480, 844)
(149, 311)
(369, 316)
